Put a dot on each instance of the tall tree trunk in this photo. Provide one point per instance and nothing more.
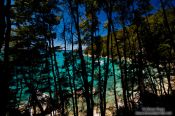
(172, 45)
(167, 26)
(2, 23)
(59, 83)
(53, 70)
(73, 67)
(75, 15)
(67, 70)
(100, 86)
(49, 81)
(2, 82)
(93, 61)
(114, 75)
(167, 69)
(6, 76)
(106, 75)
(140, 67)
(125, 60)
(120, 66)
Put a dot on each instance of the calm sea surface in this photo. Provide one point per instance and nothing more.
(110, 83)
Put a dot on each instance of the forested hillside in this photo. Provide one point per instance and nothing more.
(153, 41)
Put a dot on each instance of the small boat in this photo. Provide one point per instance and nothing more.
(101, 62)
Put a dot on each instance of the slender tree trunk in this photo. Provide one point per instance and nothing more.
(140, 67)
(73, 68)
(72, 92)
(93, 62)
(6, 76)
(167, 26)
(2, 23)
(172, 44)
(106, 75)
(169, 78)
(113, 68)
(120, 65)
(161, 80)
(125, 60)
(167, 70)
(49, 82)
(153, 85)
(67, 70)
(53, 70)
(100, 86)
(80, 52)
(59, 84)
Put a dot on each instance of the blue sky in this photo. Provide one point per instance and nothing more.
(102, 18)
(155, 3)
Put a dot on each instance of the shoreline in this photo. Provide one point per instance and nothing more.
(122, 58)
(110, 105)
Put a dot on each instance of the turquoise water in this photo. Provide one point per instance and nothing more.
(64, 74)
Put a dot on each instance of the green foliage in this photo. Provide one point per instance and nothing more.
(155, 38)
(29, 50)
(140, 45)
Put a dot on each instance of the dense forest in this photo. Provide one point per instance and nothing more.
(87, 57)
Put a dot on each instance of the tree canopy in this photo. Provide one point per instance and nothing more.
(86, 57)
